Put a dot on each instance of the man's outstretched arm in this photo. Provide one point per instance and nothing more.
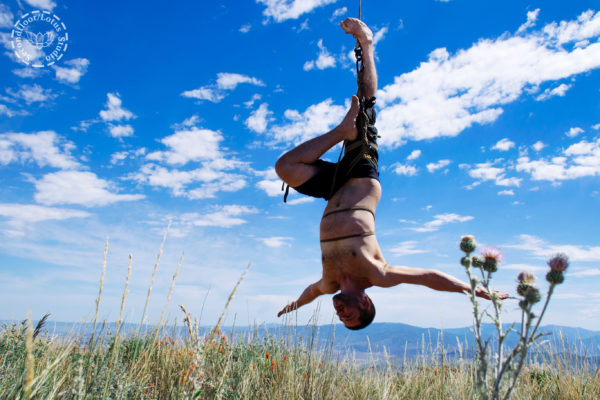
(310, 293)
(431, 278)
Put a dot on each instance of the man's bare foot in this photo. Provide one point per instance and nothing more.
(358, 29)
(347, 127)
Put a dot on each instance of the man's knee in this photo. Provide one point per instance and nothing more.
(282, 167)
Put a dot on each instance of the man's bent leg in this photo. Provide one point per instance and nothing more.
(295, 167)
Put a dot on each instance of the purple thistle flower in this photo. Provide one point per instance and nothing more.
(559, 262)
(492, 254)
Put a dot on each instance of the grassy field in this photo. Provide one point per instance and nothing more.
(149, 364)
(153, 366)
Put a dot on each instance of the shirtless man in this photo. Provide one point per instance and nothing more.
(351, 257)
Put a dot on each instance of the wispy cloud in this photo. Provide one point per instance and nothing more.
(406, 248)
(503, 145)
(578, 160)
(432, 167)
(45, 148)
(544, 250)
(324, 59)
(259, 119)
(282, 10)
(276, 241)
(441, 220)
(218, 91)
(78, 187)
(72, 71)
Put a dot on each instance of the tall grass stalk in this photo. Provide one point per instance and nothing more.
(91, 341)
(162, 244)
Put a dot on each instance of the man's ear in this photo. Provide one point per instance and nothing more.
(364, 301)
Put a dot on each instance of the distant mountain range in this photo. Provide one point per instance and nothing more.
(397, 341)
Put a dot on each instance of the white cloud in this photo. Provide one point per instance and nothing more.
(578, 160)
(118, 131)
(406, 248)
(192, 144)
(43, 4)
(487, 172)
(379, 35)
(229, 81)
(539, 145)
(9, 112)
(404, 169)
(585, 273)
(315, 120)
(440, 220)
(573, 132)
(225, 82)
(6, 16)
(259, 119)
(78, 187)
(45, 148)
(432, 167)
(544, 250)
(414, 155)
(75, 69)
(323, 61)
(531, 19)
(245, 28)
(114, 111)
(21, 216)
(28, 72)
(503, 145)
(338, 13)
(506, 193)
(596, 127)
(282, 10)
(276, 241)
(560, 90)
(32, 94)
(204, 93)
(448, 93)
(250, 103)
(225, 216)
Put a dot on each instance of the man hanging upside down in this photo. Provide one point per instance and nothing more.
(351, 257)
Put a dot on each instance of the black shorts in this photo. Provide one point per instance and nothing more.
(321, 185)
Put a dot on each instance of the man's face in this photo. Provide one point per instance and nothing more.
(347, 309)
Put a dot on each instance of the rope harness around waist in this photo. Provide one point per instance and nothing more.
(362, 234)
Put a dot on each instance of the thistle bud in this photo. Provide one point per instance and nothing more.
(526, 276)
(555, 277)
(467, 244)
(523, 304)
(559, 262)
(532, 295)
(522, 288)
(465, 262)
(477, 261)
(492, 257)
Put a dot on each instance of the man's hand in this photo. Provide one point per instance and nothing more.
(290, 307)
(358, 29)
(482, 292)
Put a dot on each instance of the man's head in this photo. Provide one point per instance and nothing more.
(355, 311)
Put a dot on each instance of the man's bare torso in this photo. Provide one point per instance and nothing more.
(357, 257)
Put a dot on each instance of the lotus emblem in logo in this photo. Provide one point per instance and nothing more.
(40, 40)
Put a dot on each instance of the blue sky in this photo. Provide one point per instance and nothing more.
(489, 114)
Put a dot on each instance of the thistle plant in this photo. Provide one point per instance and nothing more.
(496, 374)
